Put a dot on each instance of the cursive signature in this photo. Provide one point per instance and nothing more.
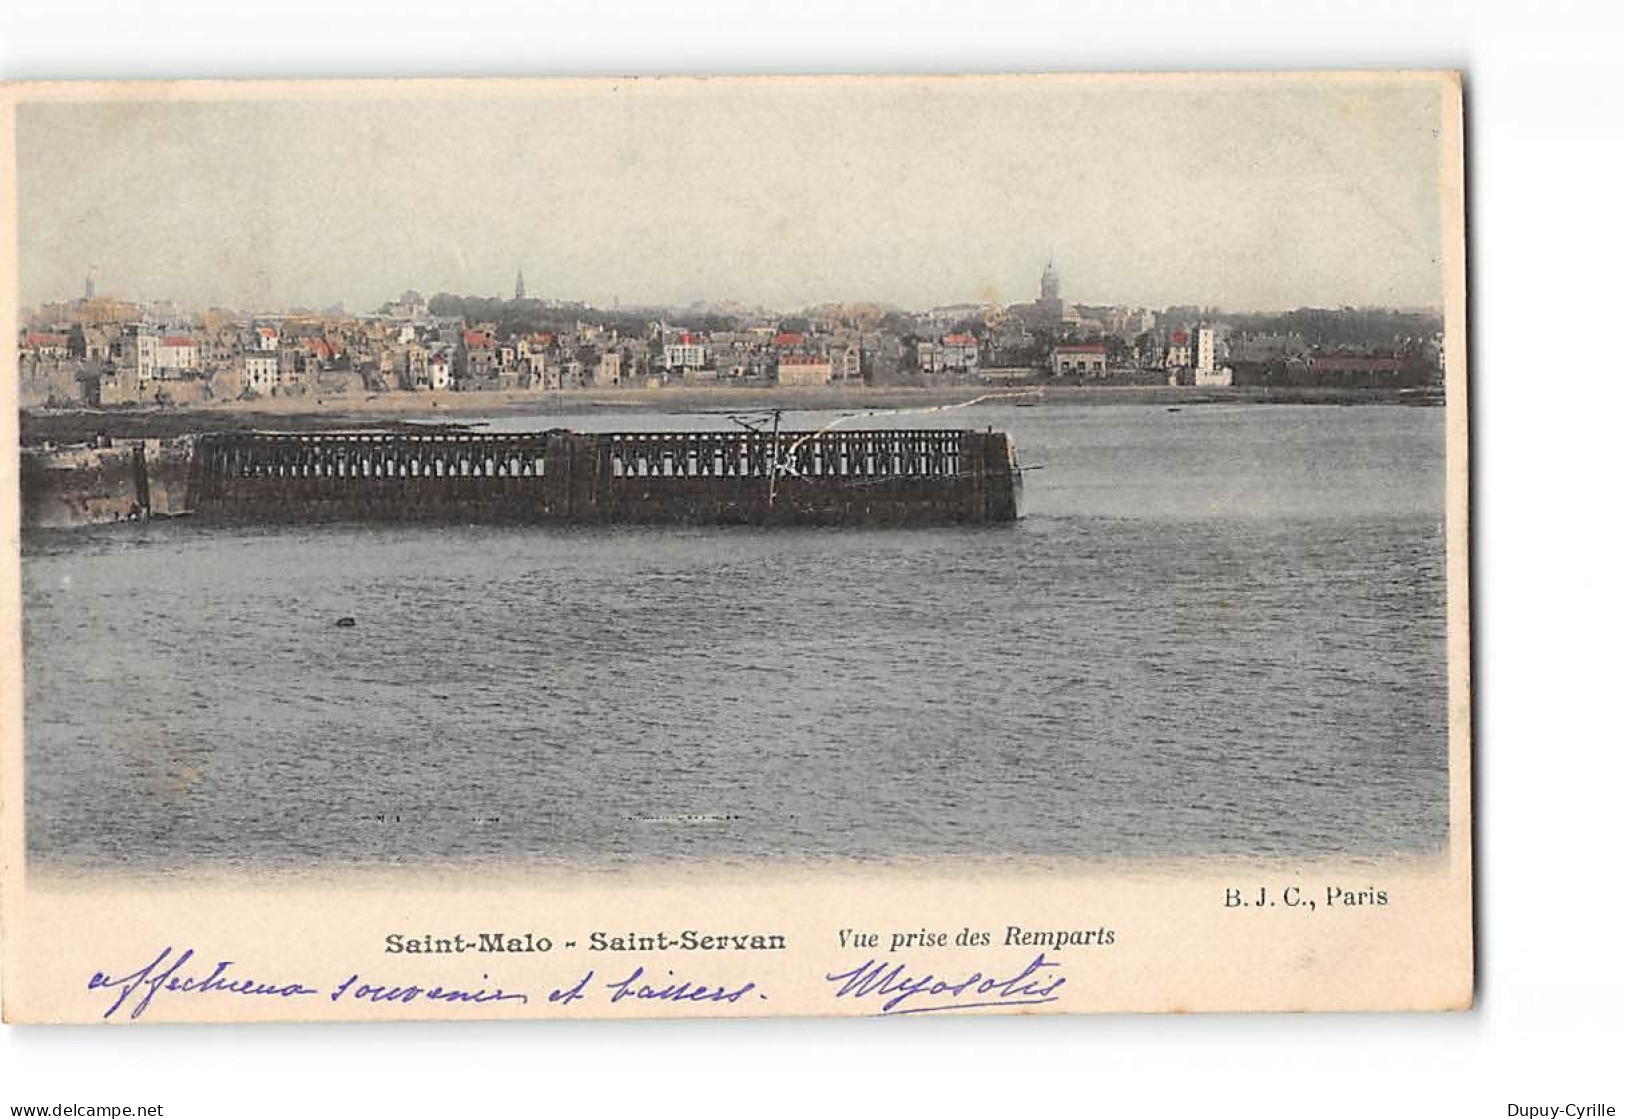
(893, 986)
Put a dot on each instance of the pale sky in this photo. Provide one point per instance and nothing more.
(1243, 194)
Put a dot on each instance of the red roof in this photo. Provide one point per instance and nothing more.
(1181, 337)
(789, 339)
(266, 331)
(178, 340)
(476, 340)
(39, 338)
(689, 339)
(959, 340)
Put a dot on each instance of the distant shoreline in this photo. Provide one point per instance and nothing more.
(395, 410)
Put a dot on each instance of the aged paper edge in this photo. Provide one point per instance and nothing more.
(1175, 950)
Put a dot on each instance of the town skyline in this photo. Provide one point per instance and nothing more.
(92, 286)
(101, 351)
(1265, 194)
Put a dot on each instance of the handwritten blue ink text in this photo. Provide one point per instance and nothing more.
(893, 986)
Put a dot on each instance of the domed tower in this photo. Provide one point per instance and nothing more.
(1049, 293)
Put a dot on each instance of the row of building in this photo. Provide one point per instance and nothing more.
(108, 352)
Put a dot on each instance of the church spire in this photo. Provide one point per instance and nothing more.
(519, 284)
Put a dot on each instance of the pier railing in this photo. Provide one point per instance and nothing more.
(695, 477)
(369, 455)
(830, 454)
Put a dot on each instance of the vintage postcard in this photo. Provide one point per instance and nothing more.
(736, 547)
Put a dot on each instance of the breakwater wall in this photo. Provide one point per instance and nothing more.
(133, 479)
(748, 477)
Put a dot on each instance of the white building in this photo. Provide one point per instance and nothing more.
(1203, 359)
(1202, 349)
(607, 373)
(928, 357)
(686, 352)
(1079, 359)
(260, 371)
(942, 318)
(850, 366)
(1179, 350)
(961, 353)
(176, 354)
(804, 369)
(146, 355)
